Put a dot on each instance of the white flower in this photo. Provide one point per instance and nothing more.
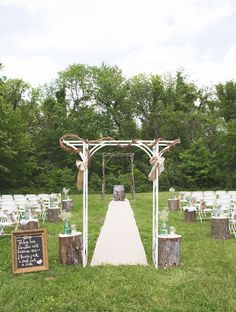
(164, 215)
(65, 190)
(65, 216)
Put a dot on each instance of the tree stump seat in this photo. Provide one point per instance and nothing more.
(53, 214)
(189, 216)
(67, 204)
(169, 250)
(220, 227)
(30, 225)
(173, 204)
(70, 248)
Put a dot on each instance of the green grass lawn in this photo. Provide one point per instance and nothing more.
(205, 281)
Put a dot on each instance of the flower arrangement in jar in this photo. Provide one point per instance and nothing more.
(66, 191)
(66, 216)
(164, 216)
(172, 193)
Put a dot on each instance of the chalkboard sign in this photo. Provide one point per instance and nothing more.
(29, 251)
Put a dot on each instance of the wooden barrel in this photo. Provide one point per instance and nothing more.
(119, 192)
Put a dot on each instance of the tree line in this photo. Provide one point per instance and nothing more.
(98, 101)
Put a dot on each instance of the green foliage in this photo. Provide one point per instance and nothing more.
(54, 179)
(197, 165)
(95, 183)
(99, 101)
(227, 100)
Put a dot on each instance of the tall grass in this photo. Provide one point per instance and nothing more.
(205, 281)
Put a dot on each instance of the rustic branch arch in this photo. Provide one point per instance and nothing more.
(87, 148)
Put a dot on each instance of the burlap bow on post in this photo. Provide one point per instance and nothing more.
(156, 162)
(82, 167)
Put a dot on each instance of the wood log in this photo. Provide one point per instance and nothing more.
(189, 216)
(67, 204)
(173, 204)
(31, 225)
(70, 248)
(220, 227)
(169, 250)
(53, 214)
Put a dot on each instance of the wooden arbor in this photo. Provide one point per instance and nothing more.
(106, 157)
(86, 149)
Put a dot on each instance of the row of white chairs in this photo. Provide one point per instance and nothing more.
(209, 203)
(13, 208)
(53, 199)
(210, 198)
(208, 193)
(202, 194)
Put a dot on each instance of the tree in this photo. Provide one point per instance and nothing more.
(77, 84)
(117, 114)
(14, 92)
(197, 166)
(226, 94)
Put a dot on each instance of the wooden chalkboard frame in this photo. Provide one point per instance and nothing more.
(40, 232)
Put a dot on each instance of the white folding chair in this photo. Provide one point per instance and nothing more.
(219, 193)
(5, 221)
(7, 197)
(55, 200)
(45, 198)
(232, 221)
(198, 196)
(225, 202)
(209, 193)
(209, 200)
(232, 195)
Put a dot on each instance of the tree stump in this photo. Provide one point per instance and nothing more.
(70, 248)
(189, 216)
(53, 214)
(220, 227)
(169, 250)
(67, 204)
(173, 204)
(31, 225)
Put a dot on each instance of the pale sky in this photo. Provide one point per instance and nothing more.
(38, 38)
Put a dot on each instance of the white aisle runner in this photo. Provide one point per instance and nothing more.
(119, 242)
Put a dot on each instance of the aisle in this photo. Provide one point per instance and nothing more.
(119, 242)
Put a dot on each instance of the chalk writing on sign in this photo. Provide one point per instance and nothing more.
(29, 251)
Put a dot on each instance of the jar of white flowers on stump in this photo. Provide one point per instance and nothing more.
(67, 202)
(190, 211)
(54, 209)
(173, 201)
(70, 242)
(169, 243)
